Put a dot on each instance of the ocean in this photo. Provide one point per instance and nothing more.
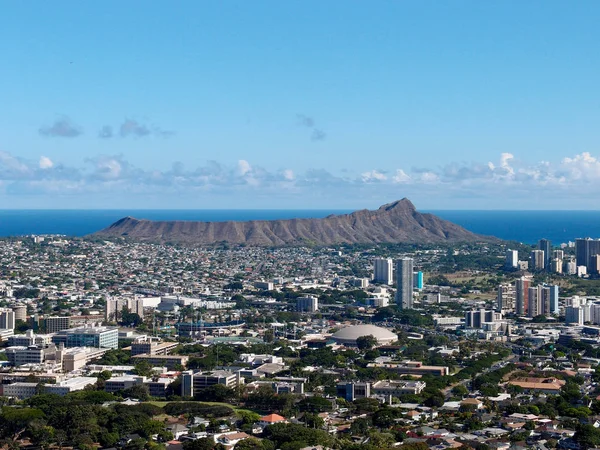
(523, 226)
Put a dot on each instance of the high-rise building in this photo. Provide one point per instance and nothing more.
(477, 317)
(522, 296)
(584, 250)
(99, 337)
(307, 303)
(404, 283)
(418, 280)
(554, 307)
(382, 270)
(7, 319)
(538, 260)
(559, 254)
(556, 265)
(114, 307)
(54, 324)
(512, 259)
(506, 298)
(594, 264)
(20, 312)
(535, 306)
(546, 246)
(574, 315)
(571, 267)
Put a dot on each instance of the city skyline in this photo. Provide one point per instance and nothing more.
(237, 105)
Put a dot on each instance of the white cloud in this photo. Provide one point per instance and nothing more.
(401, 177)
(244, 167)
(373, 175)
(288, 174)
(45, 162)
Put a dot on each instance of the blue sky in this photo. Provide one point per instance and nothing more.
(299, 104)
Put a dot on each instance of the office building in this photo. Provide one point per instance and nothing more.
(418, 280)
(574, 315)
(54, 324)
(522, 296)
(116, 384)
(98, 337)
(556, 265)
(594, 264)
(192, 383)
(115, 306)
(538, 260)
(382, 271)
(353, 390)
(29, 338)
(554, 306)
(506, 298)
(152, 348)
(359, 282)
(512, 259)
(535, 301)
(264, 285)
(34, 354)
(393, 388)
(169, 361)
(476, 318)
(584, 250)
(20, 312)
(404, 283)
(7, 319)
(307, 303)
(546, 246)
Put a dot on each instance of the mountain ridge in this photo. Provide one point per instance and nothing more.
(395, 222)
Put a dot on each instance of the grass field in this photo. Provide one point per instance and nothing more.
(161, 404)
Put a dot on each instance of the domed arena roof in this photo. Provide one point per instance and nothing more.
(349, 335)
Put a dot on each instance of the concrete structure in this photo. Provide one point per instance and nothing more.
(20, 312)
(412, 368)
(506, 298)
(476, 318)
(556, 265)
(76, 358)
(99, 337)
(34, 354)
(115, 306)
(152, 348)
(538, 260)
(418, 280)
(522, 295)
(264, 285)
(546, 246)
(71, 385)
(404, 283)
(395, 388)
(20, 390)
(574, 315)
(7, 319)
(168, 361)
(193, 383)
(383, 269)
(348, 336)
(29, 338)
(511, 259)
(353, 390)
(116, 384)
(307, 303)
(54, 324)
(584, 250)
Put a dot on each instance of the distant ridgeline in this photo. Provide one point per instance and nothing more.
(397, 222)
